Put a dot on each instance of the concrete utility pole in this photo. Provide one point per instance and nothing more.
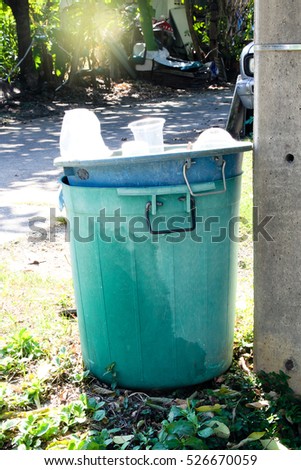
(277, 188)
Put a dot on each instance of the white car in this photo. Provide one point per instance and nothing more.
(245, 81)
(240, 119)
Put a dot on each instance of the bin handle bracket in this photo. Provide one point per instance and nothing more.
(148, 209)
(187, 165)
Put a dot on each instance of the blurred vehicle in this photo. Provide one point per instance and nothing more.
(245, 81)
(240, 119)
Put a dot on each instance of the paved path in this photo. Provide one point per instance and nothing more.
(29, 183)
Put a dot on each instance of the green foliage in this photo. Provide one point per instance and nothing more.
(34, 429)
(78, 37)
(236, 28)
(44, 21)
(22, 345)
(111, 371)
(201, 24)
(20, 349)
(235, 22)
(8, 41)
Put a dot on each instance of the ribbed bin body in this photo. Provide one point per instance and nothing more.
(158, 308)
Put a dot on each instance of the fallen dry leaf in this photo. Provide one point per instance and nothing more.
(258, 404)
(181, 403)
(243, 365)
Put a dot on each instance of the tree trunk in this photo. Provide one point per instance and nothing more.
(28, 73)
(146, 24)
(213, 33)
(189, 14)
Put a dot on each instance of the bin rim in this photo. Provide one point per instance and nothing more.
(171, 152)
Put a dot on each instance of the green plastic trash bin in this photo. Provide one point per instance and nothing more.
(154, 272)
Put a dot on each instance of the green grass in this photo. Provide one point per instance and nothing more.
(34, 302)
(244, 304)
(48, 401)
(246, 203)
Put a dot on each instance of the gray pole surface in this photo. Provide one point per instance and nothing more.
(277, 188)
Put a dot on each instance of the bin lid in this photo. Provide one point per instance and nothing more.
(171, 152)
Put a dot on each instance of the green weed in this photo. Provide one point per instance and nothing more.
(18, 352)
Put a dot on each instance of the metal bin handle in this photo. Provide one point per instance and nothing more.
(176, 230)
(186, 167)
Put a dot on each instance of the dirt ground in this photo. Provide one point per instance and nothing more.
(48, 257)
(15, 106)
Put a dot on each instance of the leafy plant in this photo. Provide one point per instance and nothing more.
(31, 430)
(22, 345)
(111, 370)
(20, 349)
(8, 41)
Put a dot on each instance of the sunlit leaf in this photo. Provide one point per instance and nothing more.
(44, 370)
(9, 424)
(122, 439)
(225, 391)
(42, 429)
(207, 432)
(272, 444)
(219, 429)
(206, 408)
(254, 436)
